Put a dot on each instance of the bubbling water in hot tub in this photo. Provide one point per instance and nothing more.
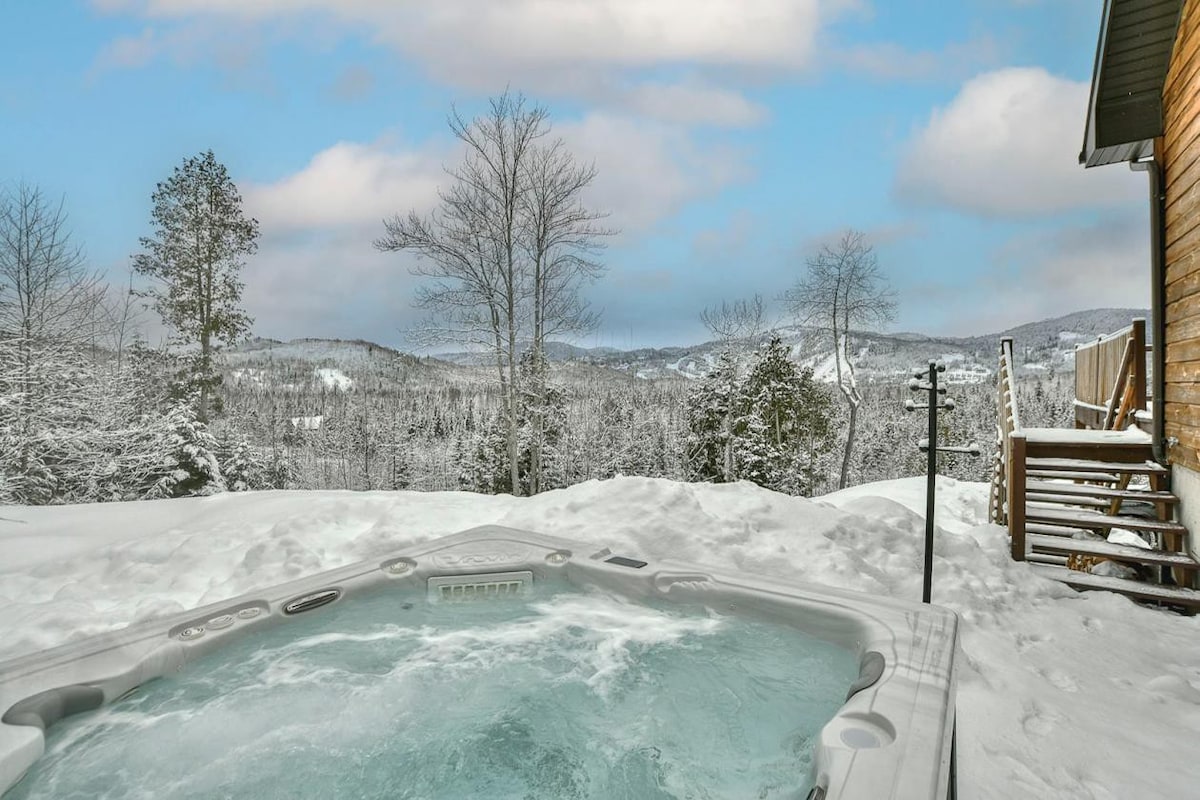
(558, 694)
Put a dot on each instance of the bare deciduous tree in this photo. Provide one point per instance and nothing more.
(741, 319)
(48, 312)
(507, 247)
(843, 289)
(561, 239)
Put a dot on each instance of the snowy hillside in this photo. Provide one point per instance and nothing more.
(1043, 346)
(344, 352)
(1060, 695)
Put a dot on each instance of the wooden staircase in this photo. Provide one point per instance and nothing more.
(1061, 492)
(1069, 489)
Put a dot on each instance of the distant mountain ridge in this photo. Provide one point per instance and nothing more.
(1042, 346)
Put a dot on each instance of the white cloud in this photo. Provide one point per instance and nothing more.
(646, 172)
(1007, 145)
(599, 51)
(334, 284)
(348, 185)
(1101, 264)
(628, 33)
(890, 61)
(692, 104)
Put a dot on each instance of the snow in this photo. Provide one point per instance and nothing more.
(333, 378)
(308, 423)
(1085, 436)
(1060, 695)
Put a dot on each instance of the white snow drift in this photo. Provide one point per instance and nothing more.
(1061, 695)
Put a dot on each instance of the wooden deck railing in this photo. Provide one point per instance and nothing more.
(1008, 420)
(1110, 379)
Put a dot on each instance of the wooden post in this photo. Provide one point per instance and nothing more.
(1138, 336)
(1016, 494)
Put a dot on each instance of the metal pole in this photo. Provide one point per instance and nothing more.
(930, 480)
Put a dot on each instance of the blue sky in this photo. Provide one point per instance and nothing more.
(732, 137)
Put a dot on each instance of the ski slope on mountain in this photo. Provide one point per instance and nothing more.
(1060, 695)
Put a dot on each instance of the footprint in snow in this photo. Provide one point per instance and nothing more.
(1038, 720)
(1059, 680)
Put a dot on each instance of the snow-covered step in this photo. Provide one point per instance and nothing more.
(1086, 490)
(1065, 499)
(1072, 476)
(1046, 558)
(1088, 466)
(1083, 581)
(1050, 530)
(1116, 552)
(1080, 518)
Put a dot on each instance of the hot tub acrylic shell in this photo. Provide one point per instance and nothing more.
(892, 738)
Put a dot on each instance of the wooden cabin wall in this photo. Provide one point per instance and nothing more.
(1180, 154)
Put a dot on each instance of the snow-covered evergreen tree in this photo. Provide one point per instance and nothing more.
(190, 465)
(710, 414)
(770, 426)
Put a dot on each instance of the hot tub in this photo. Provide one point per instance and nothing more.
(498, 663)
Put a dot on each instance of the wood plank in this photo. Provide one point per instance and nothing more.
(1182, 312)
(1183, 209)
(1187, 434)
(1071, 476)
(1185, 283)
(1182, 266)
(1090, 520)
(1051, 530)
(1083, 490)
(1088, 466)
(1179, 103)
(1181, 172)
(1182, 414)
(1045, 558)
(1183, 372)
(1184, 56)
(1181, 330)
(1184, 246)
(1183, 351)
(1105, 453)
(1044, 498)
(1186, 393)
(1125, 553)
(1017, 464)
(1144, 591)
(1183, 456)
(1181, 125)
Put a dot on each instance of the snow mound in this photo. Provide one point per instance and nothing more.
(1049, 678)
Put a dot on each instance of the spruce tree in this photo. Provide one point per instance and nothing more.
(194, 257)
(189, 465)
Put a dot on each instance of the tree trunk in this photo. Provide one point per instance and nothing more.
(850, 431)
(514, 471)
(205, 355)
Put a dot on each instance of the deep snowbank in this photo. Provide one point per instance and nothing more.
(1060, 695)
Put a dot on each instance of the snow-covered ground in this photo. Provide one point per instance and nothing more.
(333, 378)
(1060, 695)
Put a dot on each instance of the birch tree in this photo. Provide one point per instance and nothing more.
(561, 237)
(506, 249)
(843, 290)
(194, 258)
